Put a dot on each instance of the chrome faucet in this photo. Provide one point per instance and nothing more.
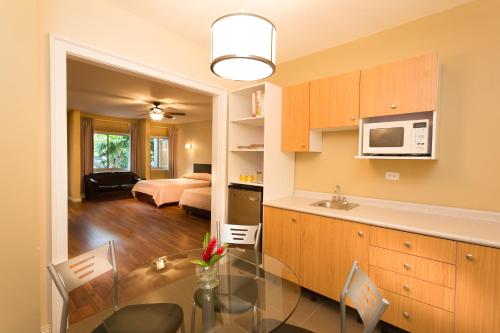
(338, 193)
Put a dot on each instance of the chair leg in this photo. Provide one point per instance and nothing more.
(193, 318)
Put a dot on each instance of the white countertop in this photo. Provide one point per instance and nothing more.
(470, 226)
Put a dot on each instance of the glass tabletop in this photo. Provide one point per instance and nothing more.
(255, 292)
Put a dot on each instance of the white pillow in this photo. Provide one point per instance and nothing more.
(198, 176)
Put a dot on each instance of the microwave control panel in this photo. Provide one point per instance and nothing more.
(420, 137)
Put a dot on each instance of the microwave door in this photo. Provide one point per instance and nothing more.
(387, 140)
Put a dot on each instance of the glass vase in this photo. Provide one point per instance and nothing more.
(207, 277)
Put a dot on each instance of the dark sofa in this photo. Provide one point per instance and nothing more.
(109, 184)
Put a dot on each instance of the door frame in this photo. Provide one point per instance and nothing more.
(60, 49)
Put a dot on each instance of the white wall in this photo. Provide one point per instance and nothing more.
(198, 134)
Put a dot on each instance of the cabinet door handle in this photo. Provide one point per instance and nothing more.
(294, 219)
(407, 266)
(406, 314)
(469, 257)
(361, 233)
(393, 106)
(353, 118)
(406, 287)
(407, 244)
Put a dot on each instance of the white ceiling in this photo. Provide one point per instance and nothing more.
(93, 88)
(303, 26)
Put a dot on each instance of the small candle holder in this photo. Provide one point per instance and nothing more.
(159, 263)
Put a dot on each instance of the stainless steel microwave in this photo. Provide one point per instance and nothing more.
(408, 137)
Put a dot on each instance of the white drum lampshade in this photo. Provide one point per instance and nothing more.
(243, 47)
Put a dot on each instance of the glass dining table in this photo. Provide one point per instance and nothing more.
(255, 292)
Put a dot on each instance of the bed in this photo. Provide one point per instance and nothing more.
(197, 201)
(165, 191)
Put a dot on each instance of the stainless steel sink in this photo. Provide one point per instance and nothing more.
(335, 204)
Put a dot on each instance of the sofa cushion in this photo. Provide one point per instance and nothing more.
(121, 178)
(108, 188)
(127, 187)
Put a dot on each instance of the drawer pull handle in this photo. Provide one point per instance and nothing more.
(469, 257)
(407, 244)
(407, 266)
(406, 287)
(393, 106)
(406, 315)
(361, 233)
(294, 219)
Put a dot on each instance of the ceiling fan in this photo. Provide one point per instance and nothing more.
(157, 113)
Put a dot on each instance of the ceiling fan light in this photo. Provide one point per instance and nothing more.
(156, 116)
(243, 47)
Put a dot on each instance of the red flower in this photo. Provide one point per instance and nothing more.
(220, 250)
(207, 254)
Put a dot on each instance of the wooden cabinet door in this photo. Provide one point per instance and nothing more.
(335, 101)
(402, 87)
(478, 289)
(295, 118)
(329, 247)
(281, 236)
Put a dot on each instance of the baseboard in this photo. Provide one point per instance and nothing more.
(75, 199)
(45, 329)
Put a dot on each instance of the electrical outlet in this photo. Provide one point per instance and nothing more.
(394, 176)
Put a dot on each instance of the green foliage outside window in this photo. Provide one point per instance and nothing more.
(111, 151)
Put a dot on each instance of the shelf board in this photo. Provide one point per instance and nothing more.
(247, 183)
(247, 150)
(250, 121)
(369, 157)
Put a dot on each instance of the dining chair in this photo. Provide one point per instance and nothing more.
(71, 274)
(365, 296)
(247, 289)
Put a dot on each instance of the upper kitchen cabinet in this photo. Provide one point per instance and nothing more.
(402, 87)
(296, 135)
(335, 101)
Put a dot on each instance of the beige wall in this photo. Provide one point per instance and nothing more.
(467, 172)
(24, 166)
(199, 134)
(74, 156)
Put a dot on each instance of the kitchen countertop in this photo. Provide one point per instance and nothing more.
(469, 226)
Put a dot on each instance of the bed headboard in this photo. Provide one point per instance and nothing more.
(202, 168)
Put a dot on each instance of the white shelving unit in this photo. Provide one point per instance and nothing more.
(243, 130)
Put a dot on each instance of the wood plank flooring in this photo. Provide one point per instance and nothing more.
(141, 232)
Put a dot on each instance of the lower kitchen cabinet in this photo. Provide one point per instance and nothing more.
(478, 289)
(428, 291)
(329, 247)
(281, 238)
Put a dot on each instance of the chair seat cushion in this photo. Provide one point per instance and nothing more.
(145, 318)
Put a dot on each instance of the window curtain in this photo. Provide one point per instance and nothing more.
(137, 153)
(172, 154)
(86, 147)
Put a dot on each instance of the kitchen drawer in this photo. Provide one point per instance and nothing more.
(425, 269)
(391, 314)
(418, 317)
(423, 246)
(423, 291)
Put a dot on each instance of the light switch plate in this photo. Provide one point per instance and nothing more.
(394, 176)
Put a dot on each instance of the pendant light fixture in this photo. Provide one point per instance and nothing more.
(243, 47)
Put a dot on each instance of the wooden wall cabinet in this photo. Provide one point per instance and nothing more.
(296, 135)
(335, 101)
(405, 86)
(478, 289)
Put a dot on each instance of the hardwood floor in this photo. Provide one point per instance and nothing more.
(141, 232)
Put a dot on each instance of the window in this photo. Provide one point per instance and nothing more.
(111, 151)
(159, 152)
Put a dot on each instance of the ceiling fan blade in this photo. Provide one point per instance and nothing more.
(176, 113)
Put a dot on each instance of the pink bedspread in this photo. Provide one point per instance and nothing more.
(200, 198)
(167, 190)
